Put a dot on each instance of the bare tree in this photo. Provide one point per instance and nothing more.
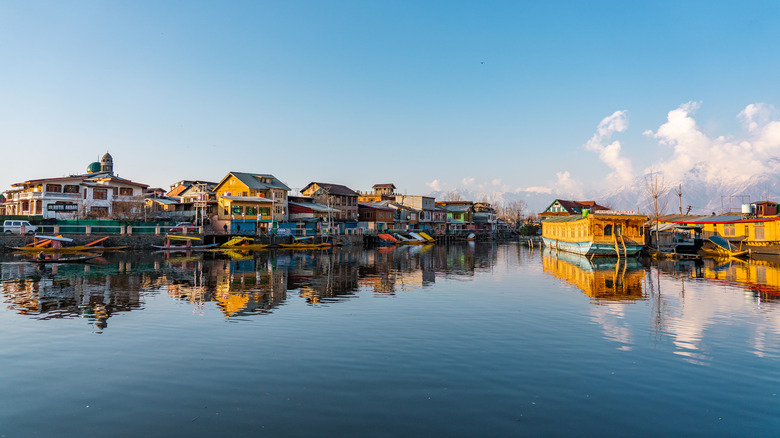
(128, 211)
(656, 191)
(453, 196)
(512, 212)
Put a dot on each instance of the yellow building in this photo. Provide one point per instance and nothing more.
(247, 202)
(759, 234)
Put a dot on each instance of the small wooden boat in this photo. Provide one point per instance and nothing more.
(187, 246)
(53, 244)
(306, 243)
(723, 248)
(77, 259)
(243, 244)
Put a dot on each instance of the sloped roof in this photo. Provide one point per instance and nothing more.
(253, 181)
(334, 189)
(383, 186)
(574, 207)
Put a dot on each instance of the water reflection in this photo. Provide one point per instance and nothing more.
(238, 283)
(603, 279)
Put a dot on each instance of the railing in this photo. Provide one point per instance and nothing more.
(116, 229)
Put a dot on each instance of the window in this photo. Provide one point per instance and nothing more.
(99, 194)
(608, 230)
(265, 211)
(71, 189)
(126, 191)
(236, 209)
(729, 230)
(55, 188)
(251, 211)
(759, 230)
(99, 211)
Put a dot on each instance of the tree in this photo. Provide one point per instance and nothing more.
(128, 211)
(453, 196)
(656, 192)
(512, 212)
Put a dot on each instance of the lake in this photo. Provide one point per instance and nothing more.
(459, 340)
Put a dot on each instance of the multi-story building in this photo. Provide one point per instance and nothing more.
(337, 196)
(248, 203)
(98, 193)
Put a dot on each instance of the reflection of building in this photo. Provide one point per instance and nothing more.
(602, 279)
(760, 276)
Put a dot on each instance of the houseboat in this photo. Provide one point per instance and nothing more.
(601, 233)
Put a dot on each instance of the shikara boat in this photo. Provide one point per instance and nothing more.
(306, 243)
(75, 259)
(51, 244)
(186, 246)
(723, 248)
(242, 243)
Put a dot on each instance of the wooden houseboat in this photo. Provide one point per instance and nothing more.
(602, 233)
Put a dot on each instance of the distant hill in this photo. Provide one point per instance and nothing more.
(703, 197)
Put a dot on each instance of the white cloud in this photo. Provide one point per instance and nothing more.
(435, 185)
(468, 181)
(610, 154)
(719, 158)
(568, 187)
(496, 182)
(534, 189)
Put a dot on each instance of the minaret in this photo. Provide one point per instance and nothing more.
(107, 164)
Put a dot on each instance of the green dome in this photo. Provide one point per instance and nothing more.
(93, 167)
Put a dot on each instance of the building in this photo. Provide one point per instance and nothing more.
(306, 217)
(485, 217)
(337, 196)
(249, 203)
(562, 207)
(460, 214)
(375, 216)
(98, 194)
(425, 207)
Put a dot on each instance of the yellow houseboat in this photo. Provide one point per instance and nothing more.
(601, 233)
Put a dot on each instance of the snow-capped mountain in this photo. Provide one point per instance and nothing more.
(703, 197)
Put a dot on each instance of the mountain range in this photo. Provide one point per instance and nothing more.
(703, 197)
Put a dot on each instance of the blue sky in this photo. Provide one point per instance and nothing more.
(422, 94)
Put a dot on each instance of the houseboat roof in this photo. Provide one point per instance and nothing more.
(374, 206)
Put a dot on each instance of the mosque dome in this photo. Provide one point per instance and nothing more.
(93, 167)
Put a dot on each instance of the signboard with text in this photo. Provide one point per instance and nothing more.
(62, 207)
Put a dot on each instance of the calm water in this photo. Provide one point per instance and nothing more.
(471, 340)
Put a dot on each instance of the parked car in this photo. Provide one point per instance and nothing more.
(19, 227)
(182, 227)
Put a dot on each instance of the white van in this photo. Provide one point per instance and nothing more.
(16, 227)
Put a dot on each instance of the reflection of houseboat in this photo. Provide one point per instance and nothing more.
(603, 233)
(606, 278)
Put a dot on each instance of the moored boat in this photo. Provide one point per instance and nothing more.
(186, 246)
(723, 248)
(602, 233)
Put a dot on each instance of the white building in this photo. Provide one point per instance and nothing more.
(96, 194)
